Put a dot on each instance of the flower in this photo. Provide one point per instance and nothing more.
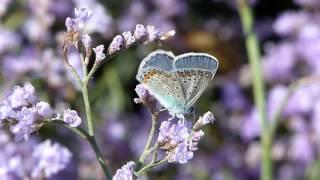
(81, 17)
(116, 44)
(44, 110)
(181, 154)
(128, 38)
(205, 119)
(6, 112)
(144, 96)
(25, 126)
(83, 14)
(140, 32)
(22, 96)
(99, 53)
(51, 158)
(71, 117)
(23, 112)
(86, 40)
(153, 33)
(125, 173)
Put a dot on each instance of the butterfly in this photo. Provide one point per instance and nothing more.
(177, 82)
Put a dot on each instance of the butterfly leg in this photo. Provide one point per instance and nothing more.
(173, 115)
(181, 118)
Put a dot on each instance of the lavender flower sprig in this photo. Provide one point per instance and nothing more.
(76, 37)
(25, 114)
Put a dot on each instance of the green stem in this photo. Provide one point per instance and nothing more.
(80, 132)
(91, 137)
(87, 106)
(253, 52)
(145, 152)
(99, 156)
(149, 166)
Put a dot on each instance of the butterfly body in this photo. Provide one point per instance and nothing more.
(176, 82)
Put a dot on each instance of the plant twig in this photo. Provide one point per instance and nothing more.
(145, 152)
(149, 166)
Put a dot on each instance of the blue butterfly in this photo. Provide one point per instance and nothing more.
(177, 82)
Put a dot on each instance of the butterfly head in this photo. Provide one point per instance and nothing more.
(190, 110)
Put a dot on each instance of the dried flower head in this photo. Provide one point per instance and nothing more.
(99, 53)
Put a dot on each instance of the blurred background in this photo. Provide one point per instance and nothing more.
(31, 35)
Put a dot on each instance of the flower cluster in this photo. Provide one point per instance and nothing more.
(51, 158)
(81, 17)
(140, 34)
(125, 173)
(25, 114)
(31, 160)
(179, 141)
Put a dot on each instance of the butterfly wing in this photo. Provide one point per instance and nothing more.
(195, 70)
(197, 61)
(161, 60)
(165, 87)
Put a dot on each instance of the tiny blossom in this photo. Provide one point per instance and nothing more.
(140, 32)
(125, 173)
(153, 33)
(179, 132)
(43, 109)
(86, 40)
(71, 117)
(144, 96)
(167, 35)
(82, 13)
(99, 53)
(164, 131)
(128, 38)
(197, 135)
(26, 116)
(205, 119)
(26, 124)
(22, 96)
(181, 154)
(116, 44)
(6, 112)
(81, 17)
(172, 134)
(51, 158)
(72, 24)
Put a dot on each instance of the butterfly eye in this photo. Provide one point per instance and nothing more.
(190, 110)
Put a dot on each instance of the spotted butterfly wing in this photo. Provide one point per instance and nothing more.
(161, 60)
(166, 88)
(195, 70)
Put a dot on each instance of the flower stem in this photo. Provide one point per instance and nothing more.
(149, 166)
(87, 107)
(99, 156)
(91, 137)
(253, 52)
(145, 153)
